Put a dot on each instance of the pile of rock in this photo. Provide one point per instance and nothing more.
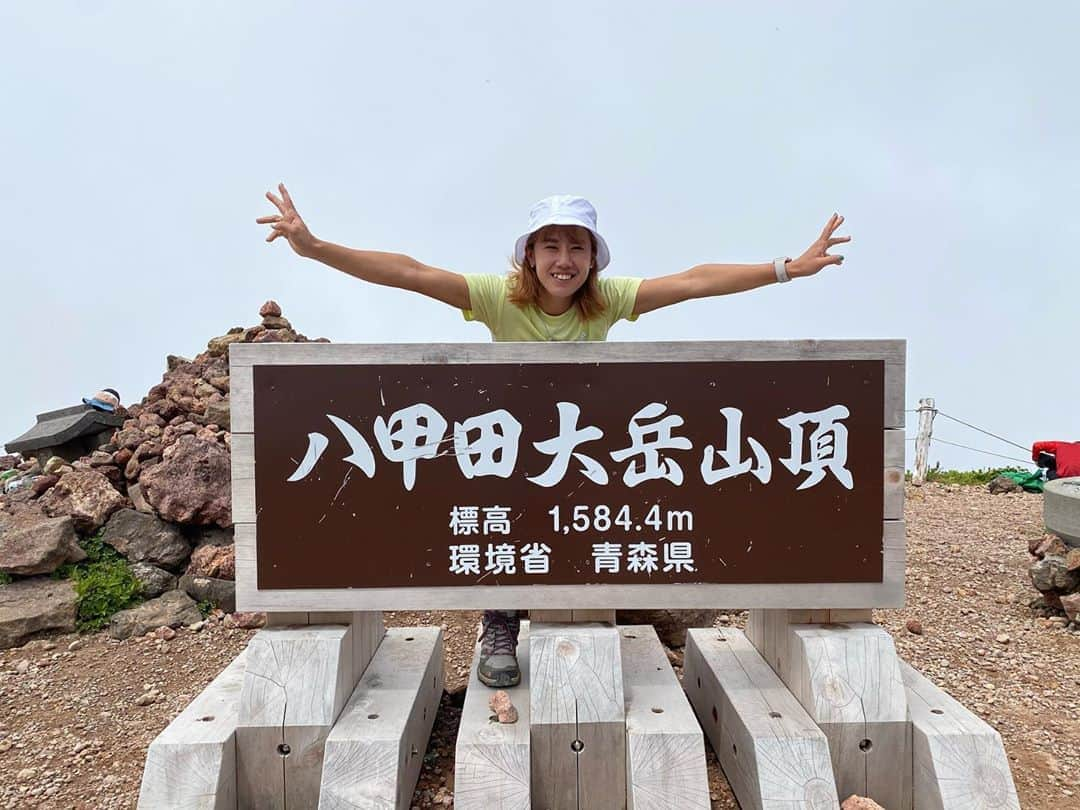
(159, 491)
(1055, 573)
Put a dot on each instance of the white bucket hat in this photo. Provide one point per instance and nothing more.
(563, 209)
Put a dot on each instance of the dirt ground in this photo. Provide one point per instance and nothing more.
(72, 734)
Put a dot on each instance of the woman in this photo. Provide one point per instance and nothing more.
(554, 292)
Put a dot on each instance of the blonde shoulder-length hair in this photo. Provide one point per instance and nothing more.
(524, 287)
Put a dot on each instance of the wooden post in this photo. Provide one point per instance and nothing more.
(665, 750)
(578, 717)
(297, 680)
(772, 753)
(192, 763)
(959, 761)
(376, 748)
(922, 439)
(847, 677)
(491, 766)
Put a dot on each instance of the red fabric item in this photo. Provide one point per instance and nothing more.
(1066, 456)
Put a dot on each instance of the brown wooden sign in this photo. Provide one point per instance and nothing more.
(445, 476)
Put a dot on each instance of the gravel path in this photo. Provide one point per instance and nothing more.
(73, 735)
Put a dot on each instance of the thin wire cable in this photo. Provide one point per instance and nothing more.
(987, 432)
(978, 450)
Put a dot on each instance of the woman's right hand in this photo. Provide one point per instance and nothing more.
(288, 224)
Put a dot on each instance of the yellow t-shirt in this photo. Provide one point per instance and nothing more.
(488, 297)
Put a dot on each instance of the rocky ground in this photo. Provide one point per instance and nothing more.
(77, 713)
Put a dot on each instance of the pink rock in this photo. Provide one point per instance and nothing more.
(915, 626)
(151, 420)
(1072, 559)
(272, 322)
(503, 707)
(245, 621)
(33, 543)
(129, 438)
(206, 435)
(1051, 544)
(165, 633)
(217, 562)
(192, 485)
(85, 495)
(43, 483)
(275, 336)
(270, 308)
(137, 499)
(1071, 605)
(854, 802)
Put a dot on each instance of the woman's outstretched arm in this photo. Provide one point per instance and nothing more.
(387, 269)
(706, 280)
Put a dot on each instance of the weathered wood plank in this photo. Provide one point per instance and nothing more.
(283, 619)
(492, 762)
(576, 616)
(895, 387)
(847, 677)
(376, 747)
(894, 475)
(585, 615)
(242, 453)
(774, 756)
(241, 396)
(578, 720)
(296, 682)
(512, 597)
(959, 760)
(552, 616)
(892, 352)
(192, 763)
(665, 750)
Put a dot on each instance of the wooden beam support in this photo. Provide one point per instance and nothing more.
(665, 750)
(296, 682)
(847, 677)
(578, 721)
(773, 754)
(960, 762)
(192, 763)
(492, 762)
(376, 747)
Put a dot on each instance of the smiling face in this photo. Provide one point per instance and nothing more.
(562, 256)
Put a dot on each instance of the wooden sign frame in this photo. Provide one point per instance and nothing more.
(889, 593)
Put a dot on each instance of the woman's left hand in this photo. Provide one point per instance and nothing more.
(817, 255)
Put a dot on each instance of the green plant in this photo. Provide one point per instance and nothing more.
(5, 578)
(103, 583)
(205, 606)
(965, 477)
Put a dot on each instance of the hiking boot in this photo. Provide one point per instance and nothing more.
(498, 650)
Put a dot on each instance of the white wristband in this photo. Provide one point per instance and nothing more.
(781, 270)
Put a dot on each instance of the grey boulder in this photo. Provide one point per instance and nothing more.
(30, 607)
(219, 592)
(171, 609)
(155, 581)
(34, 543)
(146, 538)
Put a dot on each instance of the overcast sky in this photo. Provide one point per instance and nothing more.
(138, 140)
